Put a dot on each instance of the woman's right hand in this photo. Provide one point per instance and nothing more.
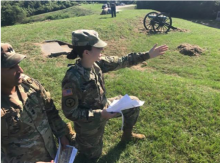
(157, 51)
(107, 115)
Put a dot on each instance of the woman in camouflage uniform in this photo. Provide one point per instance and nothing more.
(83, 91)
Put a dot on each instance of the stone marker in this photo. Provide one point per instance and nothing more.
(54, 49)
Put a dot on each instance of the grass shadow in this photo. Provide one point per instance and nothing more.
(113, 154)
(81, 159)
(105, 17)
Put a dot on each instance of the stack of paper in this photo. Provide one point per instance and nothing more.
(124, 103)
(67, 155)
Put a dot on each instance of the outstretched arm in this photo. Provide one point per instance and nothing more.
(111, 63)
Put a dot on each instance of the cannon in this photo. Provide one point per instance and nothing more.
(158, 22)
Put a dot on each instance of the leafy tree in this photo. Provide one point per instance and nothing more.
(13, 12)
(12, 15)
(184, 9)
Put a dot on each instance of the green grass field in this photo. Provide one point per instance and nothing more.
(181, 114)
(74, 11)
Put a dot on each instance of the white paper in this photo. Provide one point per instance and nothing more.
(124, 103)
(67, 155)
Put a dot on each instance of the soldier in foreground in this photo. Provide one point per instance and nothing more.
(83, 91)
(28, 115)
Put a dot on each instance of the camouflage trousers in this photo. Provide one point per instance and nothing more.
(89, 134)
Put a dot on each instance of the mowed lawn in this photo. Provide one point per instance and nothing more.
(181, 114)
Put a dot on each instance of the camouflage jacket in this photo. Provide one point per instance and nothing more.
(27, 126)
(83, 90)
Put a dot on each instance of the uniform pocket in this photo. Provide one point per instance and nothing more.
(89, 128)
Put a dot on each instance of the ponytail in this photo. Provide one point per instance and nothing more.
(72, 55)
(78, 51)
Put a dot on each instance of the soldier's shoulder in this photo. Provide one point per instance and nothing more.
(25, 77)
(72, 71)
(72, 74)
(30, 82)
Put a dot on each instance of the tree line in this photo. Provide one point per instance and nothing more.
(184, 9)
(13, 12)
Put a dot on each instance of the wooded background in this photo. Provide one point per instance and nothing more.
(15, 11)
(184, 9)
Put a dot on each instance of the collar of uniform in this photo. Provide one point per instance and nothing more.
(86, 72)
(22, 93)
(80, 66)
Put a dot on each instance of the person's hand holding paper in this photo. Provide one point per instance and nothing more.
(124, 103)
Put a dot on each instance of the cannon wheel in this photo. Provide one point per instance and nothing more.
(149, 20)
(162, 23)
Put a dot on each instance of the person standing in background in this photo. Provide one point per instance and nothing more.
(113, 9)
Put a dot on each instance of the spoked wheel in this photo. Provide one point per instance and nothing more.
(162, 23)
(149, 20)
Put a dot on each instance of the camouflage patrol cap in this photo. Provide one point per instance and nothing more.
(8, 56)
(87, 37)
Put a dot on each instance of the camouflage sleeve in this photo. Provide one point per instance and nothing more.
(6, 159)
(57, 125)
(71, 97)
(110, 63)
